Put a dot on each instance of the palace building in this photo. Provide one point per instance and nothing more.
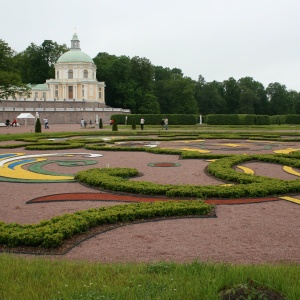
(73, 94)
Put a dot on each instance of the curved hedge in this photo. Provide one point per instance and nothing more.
(61, 146)
(52, 233)
(242, 185)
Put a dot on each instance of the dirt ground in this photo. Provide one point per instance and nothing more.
(266, 232)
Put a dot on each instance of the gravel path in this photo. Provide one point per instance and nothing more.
(249, 233)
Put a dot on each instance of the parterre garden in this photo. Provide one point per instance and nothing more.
(52, 233)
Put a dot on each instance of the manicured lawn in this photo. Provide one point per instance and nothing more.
(37, 279)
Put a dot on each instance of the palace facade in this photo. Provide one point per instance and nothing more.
(73, 94)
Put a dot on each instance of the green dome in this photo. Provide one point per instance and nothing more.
(75, 56)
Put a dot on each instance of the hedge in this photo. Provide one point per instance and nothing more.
(242, 185)
(52, 233)
(155, 119)
(237, 119)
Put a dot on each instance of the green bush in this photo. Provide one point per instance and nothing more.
(282, 119)
(262, 120)
(38, 126)
(242, 185)
(60, 146)
(52, 233)
(115, 125)
(292, 119)
(133, 124)
(237, 119)
(222, 119)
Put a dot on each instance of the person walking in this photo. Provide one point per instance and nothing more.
(46, 123)
(162, 123)
(142, 123)
(166, 123)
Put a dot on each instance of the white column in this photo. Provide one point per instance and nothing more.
(75, 92)
(64, 91)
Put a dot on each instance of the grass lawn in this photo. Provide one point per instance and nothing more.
(37, 279)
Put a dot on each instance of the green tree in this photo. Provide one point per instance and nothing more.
(36, 63)
(280, 103)
(209, 99)
(231, 96)
(186, 102)
(11, 83)
(161, 73)
(295, 101)
(32, 66)
(176, 95)
(246, 101)
(149, 105)
(51, 53)
(129, 82)
(141, 75)
(260, 99)
(115, 71)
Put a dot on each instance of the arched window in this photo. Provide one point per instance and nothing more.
(70, 74)
(57, 75)
(85, 74)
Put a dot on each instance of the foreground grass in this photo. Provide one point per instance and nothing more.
(38, 279)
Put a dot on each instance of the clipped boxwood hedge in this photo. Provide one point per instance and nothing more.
(242, 185)
(52, 233)
(61, 146)
(237, 119)
(155, 119)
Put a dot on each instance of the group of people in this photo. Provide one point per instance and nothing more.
(164, 123)
(13, 124)
(83, 123)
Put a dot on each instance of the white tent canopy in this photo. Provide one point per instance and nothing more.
(25, 116)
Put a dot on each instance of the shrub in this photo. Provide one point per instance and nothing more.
(38, 126)
(242, 185)
(133, 124)
(115, 126)
(52, 233)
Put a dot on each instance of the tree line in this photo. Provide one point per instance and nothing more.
(136, 84)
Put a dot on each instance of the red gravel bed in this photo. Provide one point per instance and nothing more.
(262, 232)
(130, 198)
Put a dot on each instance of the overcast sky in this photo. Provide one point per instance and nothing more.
(217, 39)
